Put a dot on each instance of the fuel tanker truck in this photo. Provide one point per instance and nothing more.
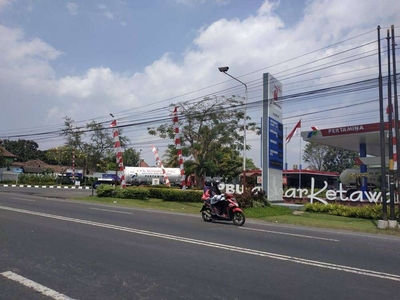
(151, 175)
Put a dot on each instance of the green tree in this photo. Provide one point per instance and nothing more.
(93, 143)
(131, 157)
(3, 161)
(337, 160)
(62, 156)
(211, 138)
(328, 158)
(24, 149)
(314, 154)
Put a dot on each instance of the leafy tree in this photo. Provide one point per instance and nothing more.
(3, 161)
(93, 143)
(211, 138)
(62, 156)
(328, 158)
(24, 149)
(131, 157)
(314, 154)
(337, 160)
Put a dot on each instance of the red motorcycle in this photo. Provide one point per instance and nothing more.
(228, 210)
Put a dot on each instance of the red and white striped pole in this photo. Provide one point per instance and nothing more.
(118, 152)
(159, 162)
(394, 142)
(73, 165)
(178, 147)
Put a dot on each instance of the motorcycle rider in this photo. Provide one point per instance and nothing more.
(216, 198)
(206, 190)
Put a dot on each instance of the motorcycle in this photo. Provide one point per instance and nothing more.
(230, 211)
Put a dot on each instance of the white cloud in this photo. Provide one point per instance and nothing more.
(5, 4)
(73, 8)
(199, 2)
(106, 13)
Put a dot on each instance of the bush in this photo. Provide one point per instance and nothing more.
(155, 192)
(249, 199)
(132, 193)
(105, 190)
(45, 179)
(181, 195)
(373, 211)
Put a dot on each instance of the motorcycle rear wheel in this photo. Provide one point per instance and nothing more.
(238, 218)
(206, 214)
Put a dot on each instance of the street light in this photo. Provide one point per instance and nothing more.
(225, 70)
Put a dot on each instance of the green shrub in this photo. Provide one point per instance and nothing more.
(181, 195)
(250, 199)
(43, 179)
(372, 211)
(105, 190)
(155, 192)
(245, 200)
(132, 193)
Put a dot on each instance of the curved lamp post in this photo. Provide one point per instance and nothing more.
(225, 70)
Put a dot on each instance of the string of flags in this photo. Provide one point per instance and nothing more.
(160, 164)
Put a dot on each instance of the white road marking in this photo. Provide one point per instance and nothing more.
(116, 211)
(291, 234)
(36, 286)
(271, 255)
(24, 199)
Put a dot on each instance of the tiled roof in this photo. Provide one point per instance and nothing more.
(40, 164)
(143, 164)
(6, 153)
(33, 169)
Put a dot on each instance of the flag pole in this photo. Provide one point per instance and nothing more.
(300, 161)
(286, 151)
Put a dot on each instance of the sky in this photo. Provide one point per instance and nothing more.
(87, 59)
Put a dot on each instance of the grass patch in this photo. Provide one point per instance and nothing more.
(156, 204)
(265, 212)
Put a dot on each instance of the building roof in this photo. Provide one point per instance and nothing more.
(143, 164)
(6, 153)
(40, 164)
(33, 169)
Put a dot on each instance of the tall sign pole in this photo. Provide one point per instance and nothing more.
(272, 138)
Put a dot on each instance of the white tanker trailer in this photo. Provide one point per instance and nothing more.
(139, 175)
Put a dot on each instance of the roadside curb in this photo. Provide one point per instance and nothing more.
(47, 186)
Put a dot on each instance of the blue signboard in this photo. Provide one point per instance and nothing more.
(275, 142)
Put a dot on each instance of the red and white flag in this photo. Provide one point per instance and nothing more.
(291, 134)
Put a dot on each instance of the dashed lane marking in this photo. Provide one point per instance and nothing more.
(115, 211)
(36, 286)
(291, 234)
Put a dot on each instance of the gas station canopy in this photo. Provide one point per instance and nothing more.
(350, 137)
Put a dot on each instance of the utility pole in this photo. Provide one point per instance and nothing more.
(382, 132)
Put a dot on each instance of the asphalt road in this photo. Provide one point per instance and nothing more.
(86, 251)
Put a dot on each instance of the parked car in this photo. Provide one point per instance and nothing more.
(103, 181)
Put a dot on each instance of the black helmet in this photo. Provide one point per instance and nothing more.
(207, 182)
(216, 182)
